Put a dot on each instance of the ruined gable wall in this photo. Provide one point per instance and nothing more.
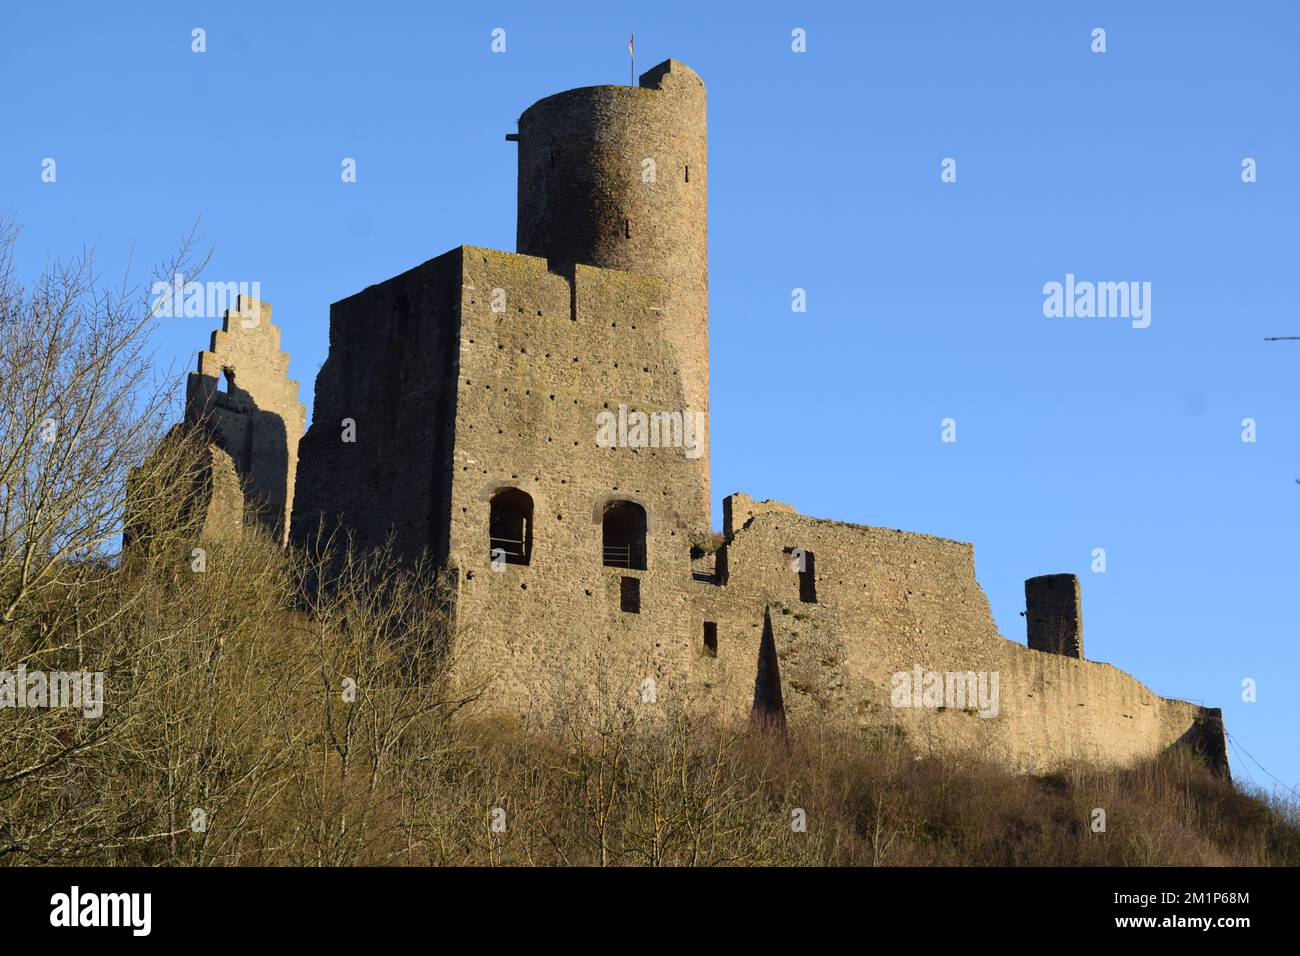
(258, 419)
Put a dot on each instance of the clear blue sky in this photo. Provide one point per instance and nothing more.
(924, 299)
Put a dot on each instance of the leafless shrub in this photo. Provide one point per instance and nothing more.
(270, 707)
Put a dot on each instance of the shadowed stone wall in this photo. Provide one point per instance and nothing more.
(377, 459)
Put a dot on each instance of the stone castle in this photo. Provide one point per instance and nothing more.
(460, 414)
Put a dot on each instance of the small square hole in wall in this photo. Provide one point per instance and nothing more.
(711, 638)
(629, 593)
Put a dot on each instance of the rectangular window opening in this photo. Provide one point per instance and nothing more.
(629, 593)
(805, 563)
(711, 638)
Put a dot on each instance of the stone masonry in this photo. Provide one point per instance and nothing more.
(460, 414)
(246, 406)
(1054, 614)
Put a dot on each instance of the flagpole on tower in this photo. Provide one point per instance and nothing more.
(631, 53)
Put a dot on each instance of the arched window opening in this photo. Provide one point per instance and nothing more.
(510, 527)
(623, 529)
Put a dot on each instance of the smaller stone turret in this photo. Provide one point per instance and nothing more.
(1054, 614)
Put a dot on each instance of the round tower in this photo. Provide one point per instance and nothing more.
(617, 177)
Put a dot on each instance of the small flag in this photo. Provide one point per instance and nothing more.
(629, 45)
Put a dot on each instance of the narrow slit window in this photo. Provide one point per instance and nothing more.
(808, 579)
(711, 638)
(804, 563)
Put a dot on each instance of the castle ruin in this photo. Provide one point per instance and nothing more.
(460, 413)
(242, 405)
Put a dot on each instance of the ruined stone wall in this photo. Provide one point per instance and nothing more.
(200, 497)
(888, 601)
(219, 496)
(545, 636)
(242, 393)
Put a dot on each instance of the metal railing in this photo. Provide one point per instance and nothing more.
(504, 545)
(624, 556)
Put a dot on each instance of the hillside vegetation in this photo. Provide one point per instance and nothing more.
(228, 692)
(265, 707)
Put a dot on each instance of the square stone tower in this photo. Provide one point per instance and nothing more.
(481, 371)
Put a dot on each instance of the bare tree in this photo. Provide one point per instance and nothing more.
(81, 404)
